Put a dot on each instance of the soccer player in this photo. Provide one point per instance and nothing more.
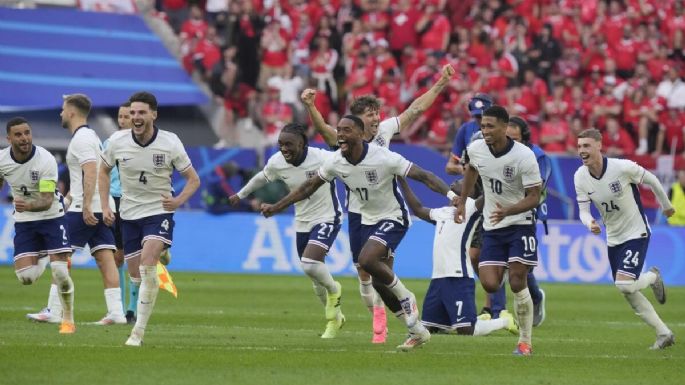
(146, 156)
(317, 219)
(367, 108)
(450, 303)
(124, 121)
(518, 130)
(369, 171)
(40, 226)
(84, 216)
(511, 184)
(611, 184)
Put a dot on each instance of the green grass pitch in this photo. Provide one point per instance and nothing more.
(255, 329)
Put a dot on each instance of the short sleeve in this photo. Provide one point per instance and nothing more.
(179, 156)
(634, 171)
(387, 129)
(581, 194)
(398, 164)
(270, 170)
(327, 170)
(458, 145)
(48, 170)
(530, 173)
(107, 155)
(85, 149)
(471, 154)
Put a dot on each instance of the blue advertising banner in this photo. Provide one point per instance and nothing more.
(249, 243)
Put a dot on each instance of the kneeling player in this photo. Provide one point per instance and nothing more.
(450, 304)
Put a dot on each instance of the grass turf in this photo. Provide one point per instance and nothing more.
(251, 329)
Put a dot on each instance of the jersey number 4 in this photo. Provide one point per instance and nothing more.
(142, 178)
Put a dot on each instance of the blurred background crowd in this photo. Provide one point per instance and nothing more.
(563, 65)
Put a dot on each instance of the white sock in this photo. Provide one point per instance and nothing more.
(54, 303)
(320, 292)
(65, 286)
(397, 288)
(644, 309)
(377, 300)
(113, 301)
(318, 272)
(523, 305)
(149, 287)
(483, 328)
(367, 292)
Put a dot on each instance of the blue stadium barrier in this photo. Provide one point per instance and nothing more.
(249, 243)
(50, 52)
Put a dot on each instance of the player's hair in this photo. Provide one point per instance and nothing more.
(360, 104)
(81, 102)
(297, 129)
(17, 120)
(498, 112)
(591, 133)
(126, 104)
(144, 97)
(523, 126)
(357, 121)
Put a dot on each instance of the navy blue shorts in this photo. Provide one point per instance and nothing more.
(322, 235)
(387, 232)
(48, 236)
(354, 230)
(516, 243)
(450, 303)
(98, 237)
(629, 257)
(137, 231)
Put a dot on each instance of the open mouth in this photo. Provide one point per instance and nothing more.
(343, 145)
(287, 155)
(584, 156)
(138, 124)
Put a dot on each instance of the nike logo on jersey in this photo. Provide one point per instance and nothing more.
(125, 159)
(344, 176)
(590, 193)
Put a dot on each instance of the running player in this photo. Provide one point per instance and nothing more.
(511, 182)
(369, 171)
(367, 108)
(317, 219)
(40, 226)
(146, 156)
(450, 303)
(611, 184)
(84, 216)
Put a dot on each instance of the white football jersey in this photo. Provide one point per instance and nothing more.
(323, 205)
(373, 182)
(505, 177)
(85, 146)
(145, 170)
(451, 241)
(24, 179)
(386, 130)
(617, 198)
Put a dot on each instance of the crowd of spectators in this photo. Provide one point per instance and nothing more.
(564, 65)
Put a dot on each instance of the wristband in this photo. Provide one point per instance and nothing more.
(451, 195)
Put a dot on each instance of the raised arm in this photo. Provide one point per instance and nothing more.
(414, 203)
(330, 136)
(423, 102)
(304, 191)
